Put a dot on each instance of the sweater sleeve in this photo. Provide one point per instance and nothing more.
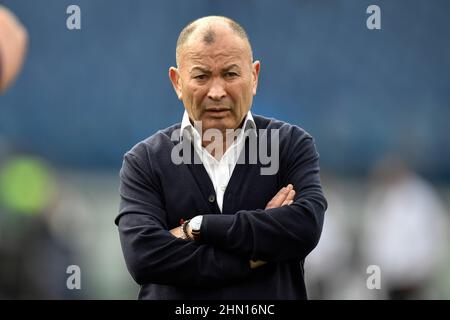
(278, 234)
(152, 253)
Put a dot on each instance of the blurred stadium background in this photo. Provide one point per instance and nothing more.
(376, 101)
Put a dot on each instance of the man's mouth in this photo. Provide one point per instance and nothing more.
(217, 111)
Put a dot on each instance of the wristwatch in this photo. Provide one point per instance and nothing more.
(195, 224)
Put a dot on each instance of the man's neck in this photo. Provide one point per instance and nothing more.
(217, 150)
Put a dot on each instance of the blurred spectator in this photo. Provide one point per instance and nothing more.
(326, 266)
(405, 231)
(13, 46)
(33, 257)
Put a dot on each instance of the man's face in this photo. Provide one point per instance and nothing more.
(216, 81)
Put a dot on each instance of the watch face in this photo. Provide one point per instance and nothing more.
(196, 223)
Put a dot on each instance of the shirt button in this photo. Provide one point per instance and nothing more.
(211, 198)
(224, 188)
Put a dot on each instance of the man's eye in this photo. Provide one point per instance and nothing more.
(200, 77)
(231, 74)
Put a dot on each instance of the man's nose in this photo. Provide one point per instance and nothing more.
(217, 90)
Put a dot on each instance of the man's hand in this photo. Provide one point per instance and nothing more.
(284, 197)
(178, 232)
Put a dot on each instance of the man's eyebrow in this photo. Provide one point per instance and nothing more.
(206, 70)
(234, 65)
(201, 69)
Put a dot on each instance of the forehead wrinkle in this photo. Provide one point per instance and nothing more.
(207, 67)
(222, 55)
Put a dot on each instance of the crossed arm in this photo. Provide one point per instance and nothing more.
(284, 197)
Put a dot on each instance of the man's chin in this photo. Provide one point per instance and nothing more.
(218, 123)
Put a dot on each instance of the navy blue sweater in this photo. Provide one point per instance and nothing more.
(155, 194)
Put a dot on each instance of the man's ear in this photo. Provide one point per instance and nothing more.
(255, 72)
(174, 76)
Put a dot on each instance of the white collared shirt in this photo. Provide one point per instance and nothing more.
(219, 171)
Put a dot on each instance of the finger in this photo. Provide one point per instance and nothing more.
(289, 198)
(279, 198)
(291, 195)
(176, 232)
(274, 202)
(255, 264)
(287, 202)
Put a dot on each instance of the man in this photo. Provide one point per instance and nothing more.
(13, 46)
(219, 228)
